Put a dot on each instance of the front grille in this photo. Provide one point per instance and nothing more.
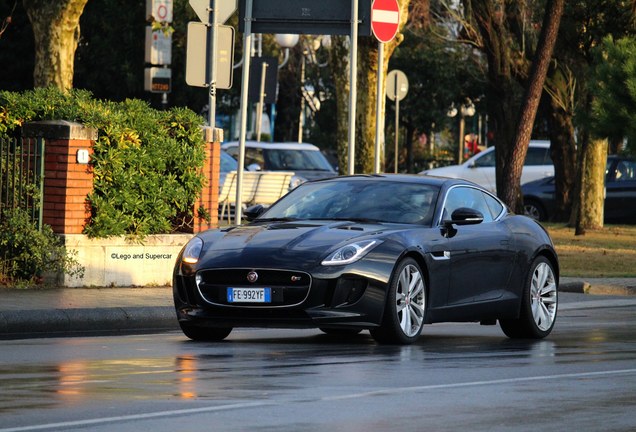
(288, 288)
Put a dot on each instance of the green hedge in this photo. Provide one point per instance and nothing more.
(146, 162)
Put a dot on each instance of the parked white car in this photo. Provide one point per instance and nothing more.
(304, 159)
(480, 168)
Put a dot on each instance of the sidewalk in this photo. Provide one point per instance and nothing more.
(66, 311)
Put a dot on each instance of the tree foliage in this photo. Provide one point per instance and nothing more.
(614, 104)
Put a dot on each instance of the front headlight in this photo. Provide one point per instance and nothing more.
(192, 251)
(350, 253)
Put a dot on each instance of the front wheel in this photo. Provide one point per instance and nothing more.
(405, 306)
(538, 304)
(205, 334)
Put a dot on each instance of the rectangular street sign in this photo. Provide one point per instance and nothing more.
(158, 47)
(158, 80)
(328, 17)
(197, 55)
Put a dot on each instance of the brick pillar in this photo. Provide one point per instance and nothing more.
(68, 178)
(210, 194)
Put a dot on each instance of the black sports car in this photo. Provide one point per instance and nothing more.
(387, 253)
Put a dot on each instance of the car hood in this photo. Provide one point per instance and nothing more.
(286, 244)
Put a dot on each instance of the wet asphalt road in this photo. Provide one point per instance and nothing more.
(457, 377)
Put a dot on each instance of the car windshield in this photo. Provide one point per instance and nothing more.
(364, 200)
(295, 160)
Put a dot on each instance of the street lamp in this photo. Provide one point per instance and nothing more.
(467, 109)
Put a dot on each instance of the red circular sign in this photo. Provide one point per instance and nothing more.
(385, 19)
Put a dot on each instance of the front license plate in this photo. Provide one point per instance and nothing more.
(249, 295)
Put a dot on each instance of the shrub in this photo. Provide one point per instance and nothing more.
(146, 163)
(26, 253)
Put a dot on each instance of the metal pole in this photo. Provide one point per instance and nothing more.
(397, 124)
(461, 139)
(302, 100)
(378, 107)
(353, 75)
(247, 42)
(259, 109)
(211, 62)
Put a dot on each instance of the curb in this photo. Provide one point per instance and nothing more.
(582, 287)
(52, 322)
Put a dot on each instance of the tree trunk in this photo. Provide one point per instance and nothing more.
(511, 192)
(366, 95)
(56, 32)
(339, 64)
(592, 194)
(563, 153)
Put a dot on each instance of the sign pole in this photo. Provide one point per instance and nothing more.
(353, 75)
(247, 43)
(379, 118)
(397, 124)
(261, 96)
(211, 61)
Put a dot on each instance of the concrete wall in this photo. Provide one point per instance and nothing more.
(122, 262)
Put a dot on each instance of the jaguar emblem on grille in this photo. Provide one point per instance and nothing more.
(252, 276)
(295, 278)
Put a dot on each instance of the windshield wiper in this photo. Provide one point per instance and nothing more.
(351, 219)
(276, 219)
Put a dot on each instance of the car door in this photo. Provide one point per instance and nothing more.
(481, 257)
(620, 190)
(537, 165)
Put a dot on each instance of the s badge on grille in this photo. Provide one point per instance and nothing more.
(295, 278)
(252, 276)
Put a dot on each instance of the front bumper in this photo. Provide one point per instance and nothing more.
(299, 300)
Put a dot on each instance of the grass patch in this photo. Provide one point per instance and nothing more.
(610, 252)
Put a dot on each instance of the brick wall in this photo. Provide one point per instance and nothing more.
(67, 182)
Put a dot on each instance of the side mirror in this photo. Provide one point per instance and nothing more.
(254, 167)
(253, 212)
(465, 216)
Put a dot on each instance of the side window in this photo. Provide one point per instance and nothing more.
(538, 156)
(626, 171)
(487, 160)
(467, 197)
(254, 156)
(495, 206)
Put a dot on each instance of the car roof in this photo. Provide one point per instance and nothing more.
(274, 145)
(405, 178)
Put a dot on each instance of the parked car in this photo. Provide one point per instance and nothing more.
(480, 168)
(305, 160)
(539, 198)
(387, 253)
(228, 163)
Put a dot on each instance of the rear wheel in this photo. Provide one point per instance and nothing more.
(210, 334)
(534, 210)
(538, 304)
(405, 306)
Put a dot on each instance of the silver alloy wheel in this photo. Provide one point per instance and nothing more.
(532, 211)
(543, 296)
(410, 300)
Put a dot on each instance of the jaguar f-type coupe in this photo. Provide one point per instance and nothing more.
(384, 253)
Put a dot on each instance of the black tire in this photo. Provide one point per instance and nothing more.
(539, 301)
(340, 331)
(204, 334)
(405, 308)
(534, 209)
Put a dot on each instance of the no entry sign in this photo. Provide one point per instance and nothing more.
(385, 18)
